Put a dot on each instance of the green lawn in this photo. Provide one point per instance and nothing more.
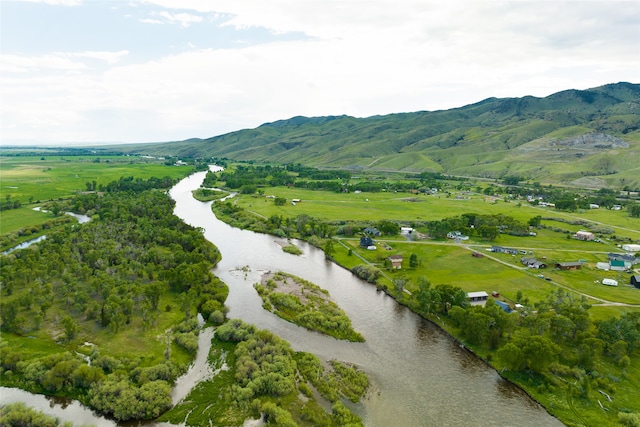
(376, 206)
(23, 217)
(24, 177)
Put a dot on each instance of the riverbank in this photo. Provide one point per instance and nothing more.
(551, 384)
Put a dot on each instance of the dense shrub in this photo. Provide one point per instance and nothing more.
(366, 272)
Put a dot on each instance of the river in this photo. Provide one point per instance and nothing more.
(419, 375)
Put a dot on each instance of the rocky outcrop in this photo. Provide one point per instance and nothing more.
(590, 141)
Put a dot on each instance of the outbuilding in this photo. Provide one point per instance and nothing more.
(478, 298)
(584, 235)
(396, 261)
(631, 248)
(610, 282)
(569, 265)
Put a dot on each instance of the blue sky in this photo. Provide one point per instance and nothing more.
(102, 71)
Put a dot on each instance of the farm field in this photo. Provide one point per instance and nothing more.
(40, 178)
(33, 180)
(445, 262)
(407, 208)
(404, 207)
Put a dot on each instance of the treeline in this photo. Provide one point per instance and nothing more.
(554, 341)
(138, 184)
(104, 277)
(243, 177)
(248, 179)
(19, 415)
(8, 204)
(486, 226)
(304, 226)
(568, 200)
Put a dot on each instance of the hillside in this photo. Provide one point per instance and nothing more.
(588, 138)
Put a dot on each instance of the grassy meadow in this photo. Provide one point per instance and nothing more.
(36, 179)
(445, 262)
(408, 208)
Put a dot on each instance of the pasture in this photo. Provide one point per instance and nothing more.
(36, 179)
(447, 262)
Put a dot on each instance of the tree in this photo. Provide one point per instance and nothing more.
(634, 210)
(9, 315)
(511, 180)
(511, 356)
(533, 352)
(451, 296)
(535, 221)
(329, 249)
(428, 298)
(413, 261)
(488, 232)
(70, 328)
(399, 283)
(279, 201)
(388, 228)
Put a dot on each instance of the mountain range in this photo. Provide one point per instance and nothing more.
(588, 138)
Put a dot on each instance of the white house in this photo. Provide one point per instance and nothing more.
(609, 282)
(631, 248)
(457, 235)
(478, 298)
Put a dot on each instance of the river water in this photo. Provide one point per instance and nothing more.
(419, 375)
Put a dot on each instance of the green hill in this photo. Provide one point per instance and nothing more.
(581, 137)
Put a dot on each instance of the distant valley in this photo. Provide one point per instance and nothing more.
(584, 138)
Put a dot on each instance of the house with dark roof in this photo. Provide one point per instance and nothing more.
(366, 241)
(372, 231)
(504, 250)
(533, 263)
(569, 265)
(628, 259)
(635, 280)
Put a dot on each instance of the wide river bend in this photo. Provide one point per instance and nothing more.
(420, 376)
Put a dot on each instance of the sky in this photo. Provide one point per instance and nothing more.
(111, 71)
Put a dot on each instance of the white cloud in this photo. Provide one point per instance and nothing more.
(151, 21)
(56, 2)
(108, 57)
(360, 59)
(20, 64)
(57, 61)
(184, 19)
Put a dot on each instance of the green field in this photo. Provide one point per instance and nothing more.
(36, 179)
(404, 207)
(444, 262)
(33, 178)
(408, 208)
